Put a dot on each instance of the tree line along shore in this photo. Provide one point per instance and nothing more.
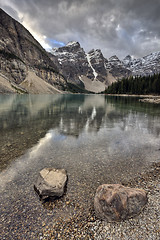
(138, 85)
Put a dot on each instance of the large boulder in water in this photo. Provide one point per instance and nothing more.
(51, 182)
(115, 202)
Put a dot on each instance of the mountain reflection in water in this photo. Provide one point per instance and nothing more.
(97, 139)
(25, 119)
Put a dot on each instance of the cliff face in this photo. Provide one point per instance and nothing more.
(91, 69)
(97, 62)
(117, 68)
(88, 70)
(21, 53)
(72, 62)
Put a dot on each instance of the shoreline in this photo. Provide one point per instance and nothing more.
(150, 100)
(155, 99)
(87, 226)
(135, 95)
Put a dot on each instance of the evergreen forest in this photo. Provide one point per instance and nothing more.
(136, 85)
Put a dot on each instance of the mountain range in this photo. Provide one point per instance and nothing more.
(25, 66)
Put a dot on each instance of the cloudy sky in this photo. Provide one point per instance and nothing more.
(118, 27)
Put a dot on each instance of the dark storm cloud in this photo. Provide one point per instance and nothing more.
(117, 27)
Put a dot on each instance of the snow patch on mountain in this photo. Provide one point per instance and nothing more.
(147, 65)
(72, 43)
(96, 55)
(127, 60)
(89, 62)
(114, 60)
(63, 55)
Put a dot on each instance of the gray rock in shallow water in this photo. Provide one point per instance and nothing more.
(51, 182)
(115, 202)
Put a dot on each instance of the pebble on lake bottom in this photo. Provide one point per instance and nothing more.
(144, 226)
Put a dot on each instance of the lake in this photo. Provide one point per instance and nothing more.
(96, 138)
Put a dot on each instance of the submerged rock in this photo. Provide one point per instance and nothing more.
(115, 202)
(51, 182)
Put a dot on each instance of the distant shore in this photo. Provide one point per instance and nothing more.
(151, 100)
(135, 95)
(145, 98)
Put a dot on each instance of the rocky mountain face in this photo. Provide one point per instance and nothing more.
(93, 68)
(117, 68)
(72, 61)
(147, 65)
(20, 54)
(90, 70)
(97, 63)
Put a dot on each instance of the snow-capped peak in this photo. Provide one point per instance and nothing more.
(147, 65)
(127, 60)
(72, 43)
(114, 58)
(95, 53)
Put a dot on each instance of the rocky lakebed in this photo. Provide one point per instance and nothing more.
(73, 216)
(97, 140)
(85, 225)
